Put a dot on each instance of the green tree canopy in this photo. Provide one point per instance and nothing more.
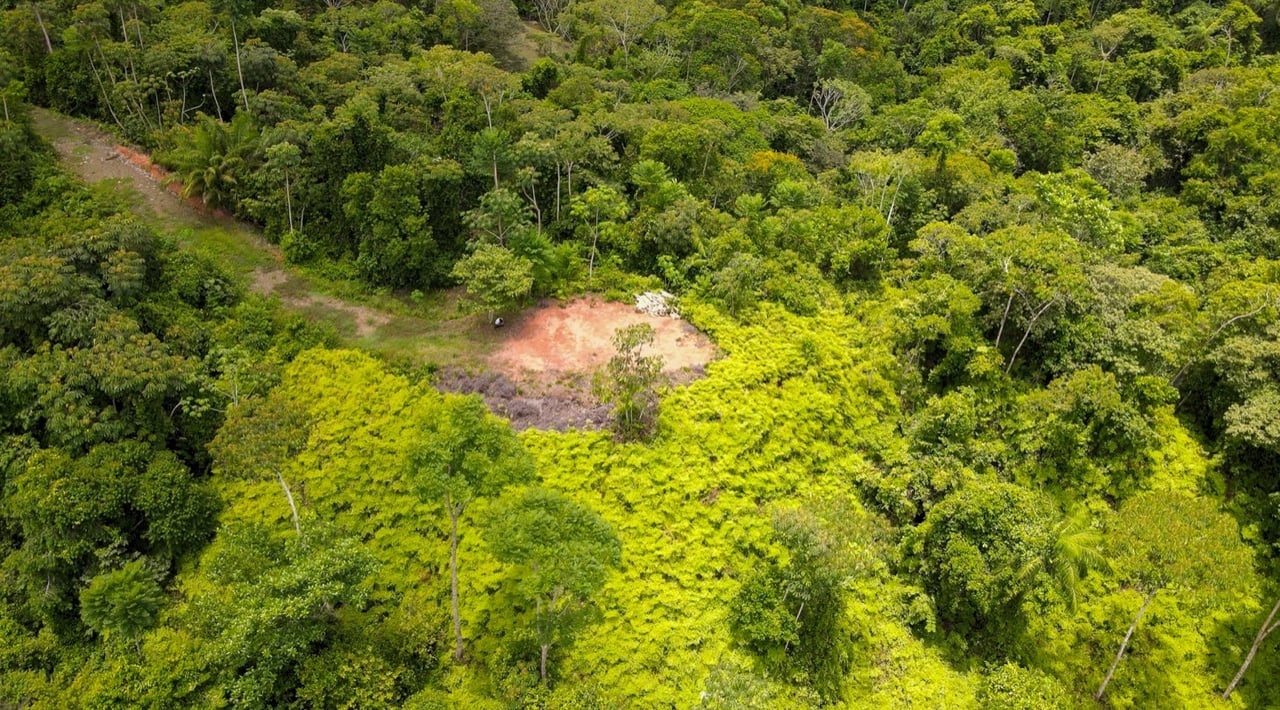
(562, 553)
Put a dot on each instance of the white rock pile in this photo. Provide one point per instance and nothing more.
(656, 303)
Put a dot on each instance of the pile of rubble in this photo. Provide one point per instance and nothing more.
(656, 303)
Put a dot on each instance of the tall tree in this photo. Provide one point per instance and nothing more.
(259, 438)
(464, 453)
(1170, 540)
(598, 209)
(622, 22)
(792, 614)
(563, 552)
(494, 277)
(974, 549)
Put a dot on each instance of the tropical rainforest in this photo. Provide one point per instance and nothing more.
(995, 421)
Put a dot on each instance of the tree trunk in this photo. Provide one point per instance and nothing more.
(105, 97)
(1004, 319)
(239, 72)
(214, 90)
(293, 508)
(48, 45)
(542, 664)
(1027, 334)
(288, 202)
(454, 513)
(1267, 627)
(568, 169)
(591, 261)
(1124, 645)
(137, 27)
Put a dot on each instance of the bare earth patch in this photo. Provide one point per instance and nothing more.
(578, 336)
(367, 320)
(93, 155)
(539, 376)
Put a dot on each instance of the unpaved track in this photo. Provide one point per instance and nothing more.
(95, 156)
(536, 371)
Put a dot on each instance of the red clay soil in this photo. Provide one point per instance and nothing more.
(143, 162)
(577, 337)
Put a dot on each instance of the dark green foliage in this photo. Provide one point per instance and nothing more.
(973, 548)
(792, 615)
(496, 279)
(213, 159)
(18, 145)
(276, 604)
(124, 602)
(970, 265)
(76, 514)
(461, 454)
(117, 360)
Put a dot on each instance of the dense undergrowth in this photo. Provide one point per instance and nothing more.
(996, 288)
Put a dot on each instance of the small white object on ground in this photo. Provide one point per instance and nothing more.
(656, 303)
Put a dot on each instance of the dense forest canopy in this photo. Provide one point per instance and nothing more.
(997, 422)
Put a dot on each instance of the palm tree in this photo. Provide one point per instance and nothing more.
(211, 158)
(1075, 550)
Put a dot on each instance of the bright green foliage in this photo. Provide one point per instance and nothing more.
(1082, 434)
(273, 603)
(1172, 540)
(259, 437)
(123, 602)
(1012, 687)
(1046, 279)
(562, 553)
(347, 397)
(734, 687)
(1075, 550)
(760, 427)
(495, 278)
(464, 452)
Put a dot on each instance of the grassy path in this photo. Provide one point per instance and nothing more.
(430, 332)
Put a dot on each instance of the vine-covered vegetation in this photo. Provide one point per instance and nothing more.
(997, 422)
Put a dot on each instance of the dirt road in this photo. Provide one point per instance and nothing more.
(536, 372)
(95, 156)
